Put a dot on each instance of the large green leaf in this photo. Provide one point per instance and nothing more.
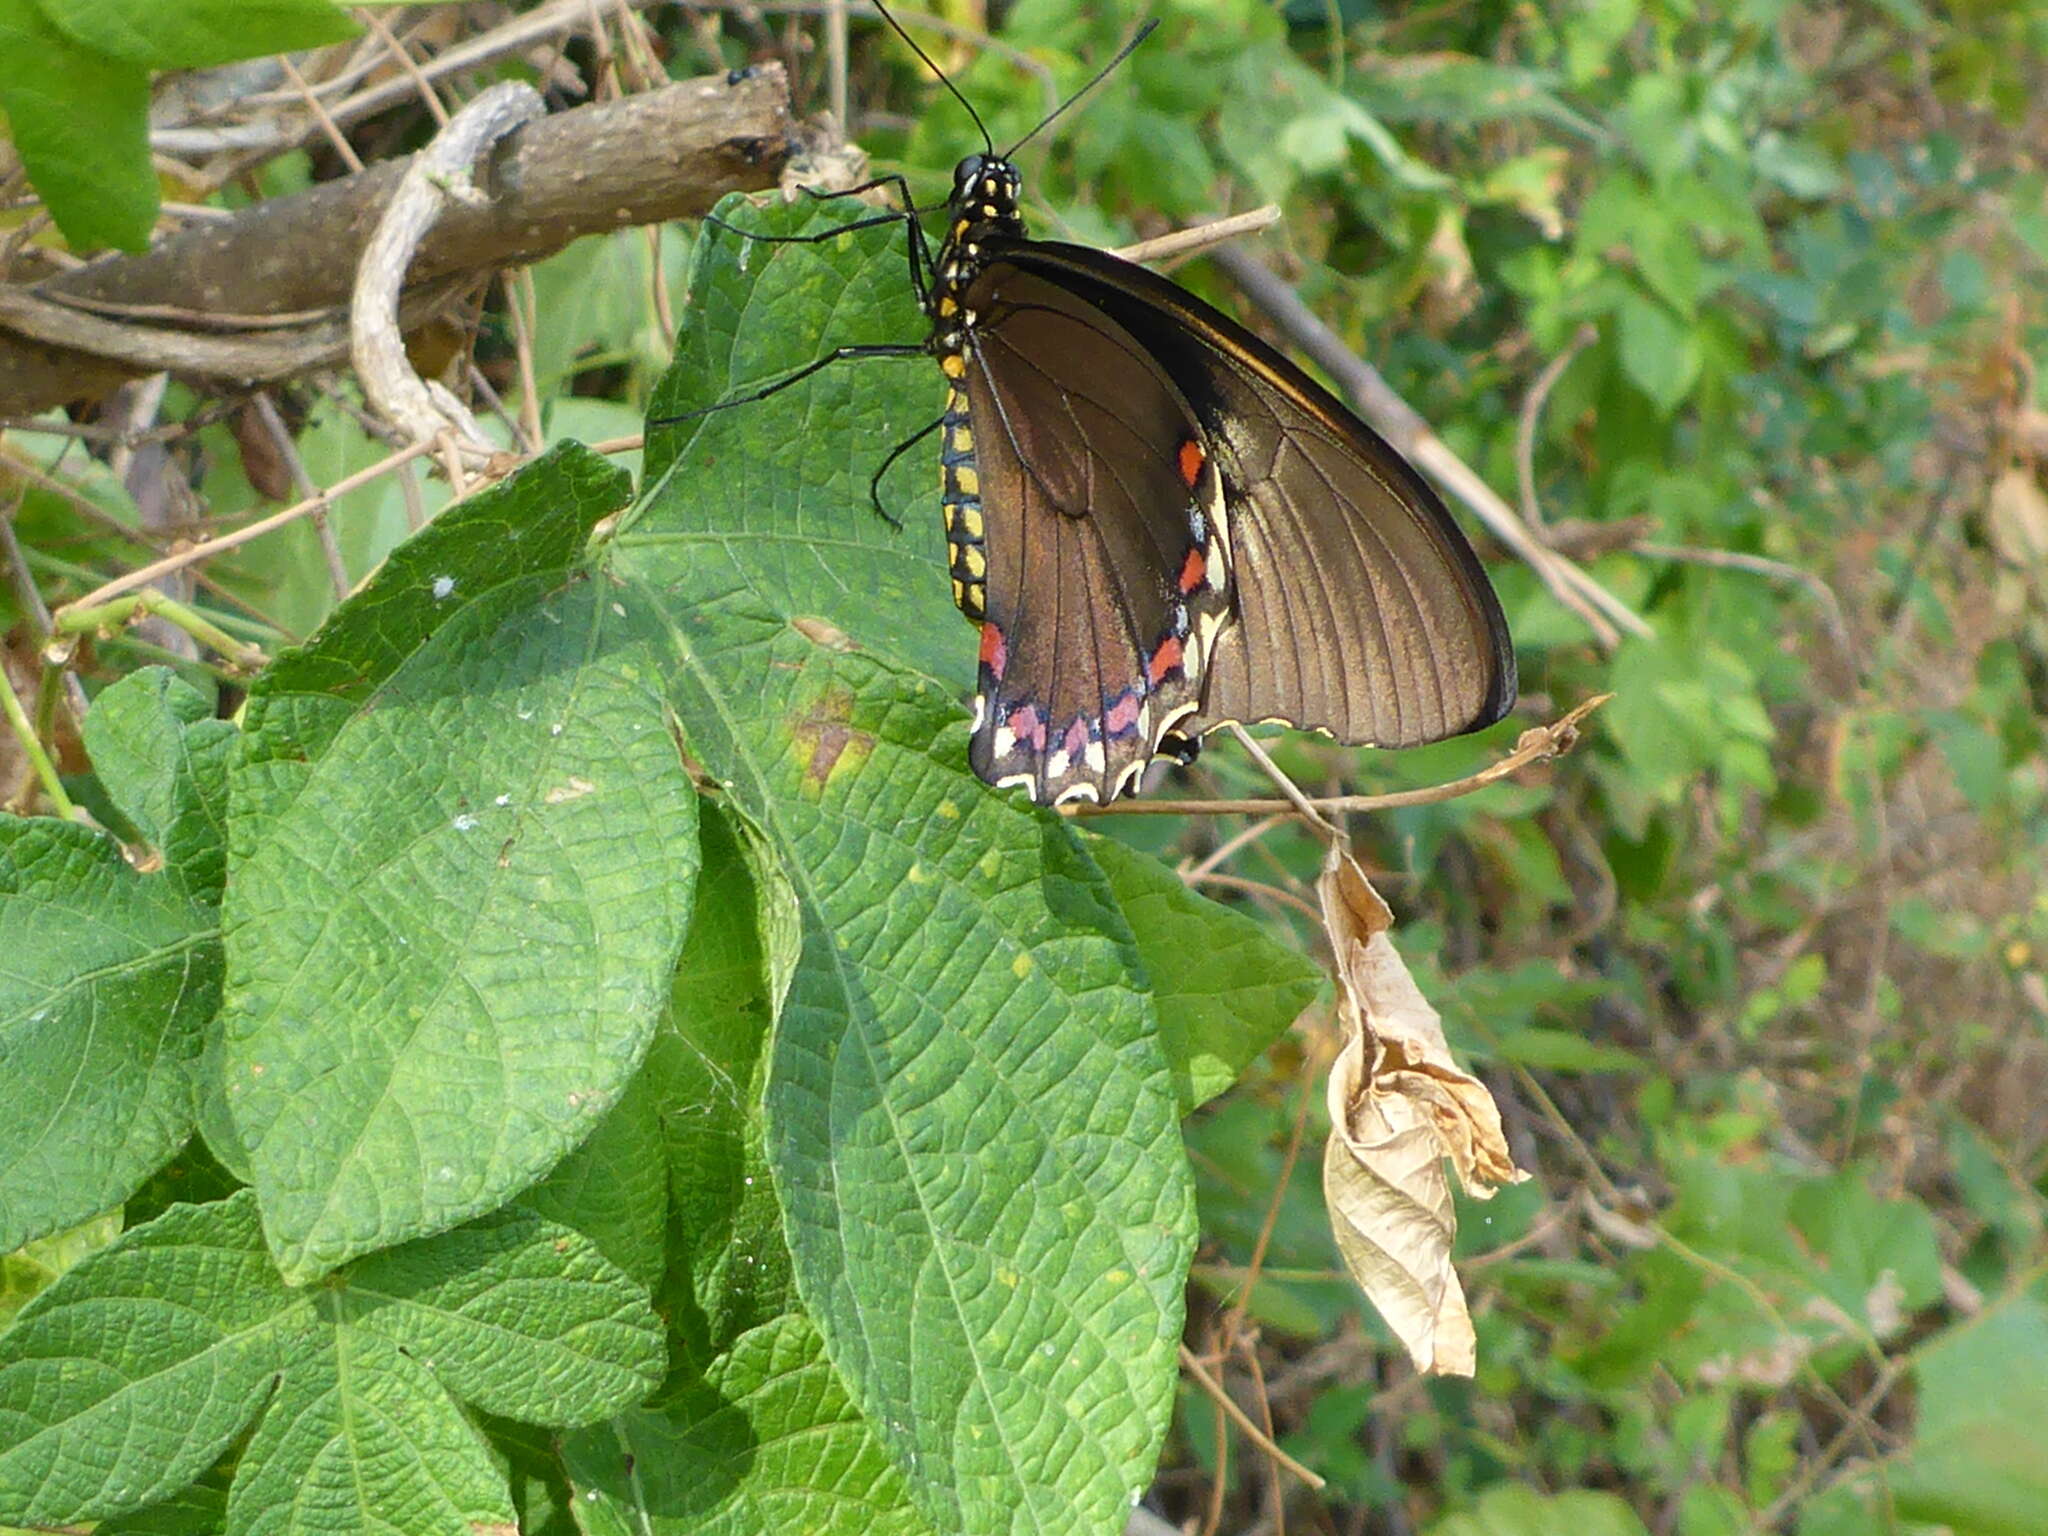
(463, 882)
(765, 1441)
(970, 1121)
(80, 120)
(1975, 1466)
(125, 1379)
(109, 975)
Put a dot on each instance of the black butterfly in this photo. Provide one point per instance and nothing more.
(1162, 525)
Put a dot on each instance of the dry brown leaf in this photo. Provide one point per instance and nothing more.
(2019, 519)
(1399, 1105)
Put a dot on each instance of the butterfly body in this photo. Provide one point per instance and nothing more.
(1160, 525)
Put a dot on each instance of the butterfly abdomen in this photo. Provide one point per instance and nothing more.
(960, 498)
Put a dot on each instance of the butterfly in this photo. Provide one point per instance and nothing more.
(1161, 525)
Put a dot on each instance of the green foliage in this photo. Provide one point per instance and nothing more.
(74, 84)
(575, 1045)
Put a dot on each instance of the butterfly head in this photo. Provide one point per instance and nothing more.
(986, 191)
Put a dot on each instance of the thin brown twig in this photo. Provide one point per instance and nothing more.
(1537, 744)
(281, 439)
(1255, 888)
(522, 307)
(1532, 415)
(1243, 1420)
(1311, 1071)
(328, 125)
(1301, 803)
(208, 548)
(1776, 570)
(1200, 237)
(407, 63)
(959, 33)
(1223, 850)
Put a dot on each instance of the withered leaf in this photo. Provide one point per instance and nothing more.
(1399, 1105)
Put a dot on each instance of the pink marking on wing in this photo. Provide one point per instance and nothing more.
(1076, 741)
(1028, 726)
(1121, 718)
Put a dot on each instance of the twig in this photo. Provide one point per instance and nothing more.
(1311, 1072)
(1199, 237)
(1401, 425)
(410, 65)
(1532, 414)
(1241, 1419)
(1032, 65)
(1538, 744)
(438, 175)
(556, 19)
(1230, 845)
(667, 154)
(295, 466)
(73, 620)
(328, 126)
(32, 748)
(208, 548)
(1286, 786)
(1777, 570)
(1255, 888)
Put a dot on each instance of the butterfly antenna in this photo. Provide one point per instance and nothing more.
(1100, 75)
(897, 28)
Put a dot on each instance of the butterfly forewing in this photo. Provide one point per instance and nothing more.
(1357, 605)
(1105, 579)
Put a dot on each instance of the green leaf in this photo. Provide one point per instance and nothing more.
(124, 1380)
(107, 980)
(767, 1441)
(80, 122)
(517, 1315)
(499, 831)
(129, 1376)
(1224, 990)
(611, 1190)
(163, 758)
(711, 1054)
(970, 1120)
(198, 34)
(358, 1438)
(1506, 1509)
(1975, 1465)
(1661, 355)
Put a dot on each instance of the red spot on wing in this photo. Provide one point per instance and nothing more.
(1165, 661)
(1076, 741)
(1191, 461)
(1192, 570)
(995, 650)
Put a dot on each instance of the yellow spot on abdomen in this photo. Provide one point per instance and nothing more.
(953, 365)
(968, 480)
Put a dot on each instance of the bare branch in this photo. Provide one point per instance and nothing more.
(667, 154)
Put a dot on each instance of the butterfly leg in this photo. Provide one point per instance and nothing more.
(918, 251)
(836, 355)
(875, 480)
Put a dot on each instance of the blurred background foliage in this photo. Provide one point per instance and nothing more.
(1760, 973)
